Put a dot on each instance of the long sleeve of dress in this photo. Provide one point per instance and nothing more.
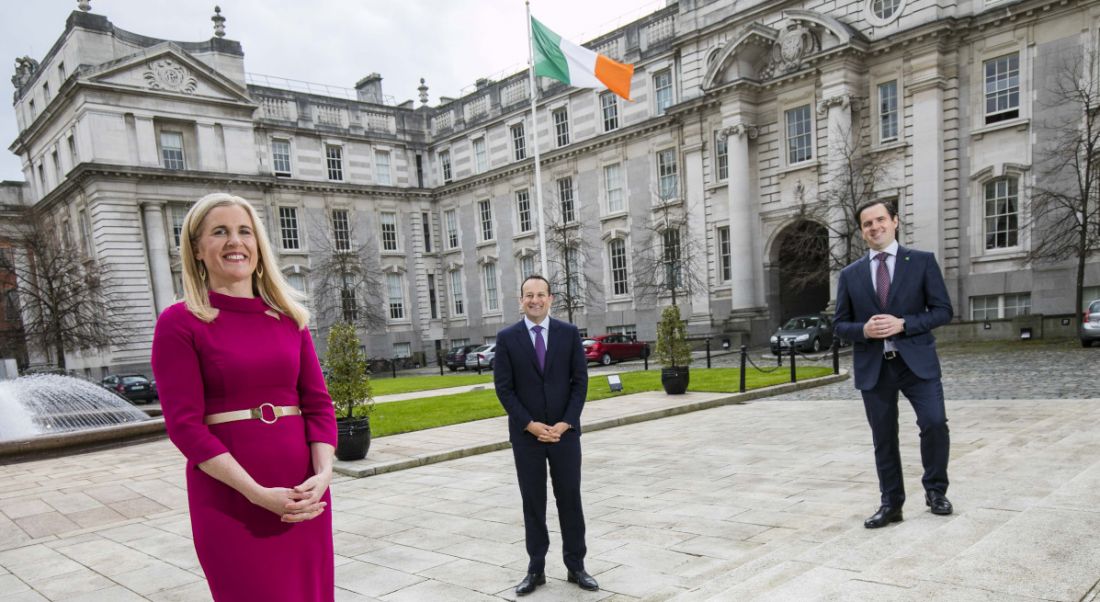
(313, 397)
(179, 385)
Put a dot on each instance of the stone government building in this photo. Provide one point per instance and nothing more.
(736, 105)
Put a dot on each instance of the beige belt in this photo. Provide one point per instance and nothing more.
(257, 412)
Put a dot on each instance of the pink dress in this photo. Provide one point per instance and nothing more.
(242, 359)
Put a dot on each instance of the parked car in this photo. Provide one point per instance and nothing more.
(134, 387)
(607, 348)
(456, 357)
(1090, 327)
(483, 355)
(806, 333)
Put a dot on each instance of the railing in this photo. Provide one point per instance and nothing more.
(295, 85)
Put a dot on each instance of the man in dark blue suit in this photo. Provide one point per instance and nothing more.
(541, 378)
(887, 304)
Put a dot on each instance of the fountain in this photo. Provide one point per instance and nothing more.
(49, 411)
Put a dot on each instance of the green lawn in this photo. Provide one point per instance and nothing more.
(430, 412)
(408, 384)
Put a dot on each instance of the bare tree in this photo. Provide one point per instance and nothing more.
(568, 251)
(1065, 201)
(859, 179)
(670, 259)
(67, 300)
(346, 276)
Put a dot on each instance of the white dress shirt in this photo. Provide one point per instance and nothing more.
(891, 259)
(545, 334)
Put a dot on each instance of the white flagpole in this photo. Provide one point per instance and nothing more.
(535, 144)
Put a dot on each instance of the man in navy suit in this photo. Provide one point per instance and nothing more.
(541, 378)
(887, 304)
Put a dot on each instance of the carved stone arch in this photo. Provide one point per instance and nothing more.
(742, 57)
(832, 32)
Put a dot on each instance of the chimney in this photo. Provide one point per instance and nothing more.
(369, 88)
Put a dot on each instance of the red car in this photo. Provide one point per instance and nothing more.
(607, 348)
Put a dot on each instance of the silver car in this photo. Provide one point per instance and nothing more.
(482, 355)
(1090, 327)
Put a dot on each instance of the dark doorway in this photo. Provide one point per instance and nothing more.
(803, 269)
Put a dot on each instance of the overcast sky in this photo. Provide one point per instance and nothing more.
(450, 43)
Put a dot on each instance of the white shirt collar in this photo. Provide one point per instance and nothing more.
(545, 323)
(892, 250)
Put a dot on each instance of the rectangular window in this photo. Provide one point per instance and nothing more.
(297, 282)
(614, 186)
(489, 275)
(993, 307)
(519, 142)
(396, 296)
(171, 150)
(389, 231)
(523, 210)
(433, 302)
(178, 212)
(667, 175)
(426, 224)
(725, 260)
(445, 166)
(526, 266)
(630, 331)
(402, 350)
(662, 90)
(72, 151)
(1002, 218)
(888, 111)
(481, 158)
(1002, 88)
(61, 75)
(1017, 305)
(334, 159)
(799, 136)
(348, 303)
(86, 232)
(670, 240)
(46, 92)
(485, 214)
(280, 157)
(574, 277)
(721, 157)
(609, 108)
(42, 178)
(617, 251)
(565, 195)
(457, 305)
(382, 167)
(450, 220)
(561, 126)
(30, 106)
(56, 166)
(341, 230)
(288, 227)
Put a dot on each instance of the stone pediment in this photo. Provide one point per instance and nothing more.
(759, 53)
(168, 69)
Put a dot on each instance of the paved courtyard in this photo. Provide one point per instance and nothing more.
(760, 501)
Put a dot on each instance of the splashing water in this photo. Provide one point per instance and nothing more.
(50, 403)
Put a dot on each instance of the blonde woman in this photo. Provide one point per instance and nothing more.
(245, 402)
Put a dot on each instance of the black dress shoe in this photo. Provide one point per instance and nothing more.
(938, 502)
(884, 516)
(584, 580)
(530, 582)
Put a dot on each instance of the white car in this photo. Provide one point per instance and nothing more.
(481, 356)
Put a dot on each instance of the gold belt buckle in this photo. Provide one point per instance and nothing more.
(258, 413)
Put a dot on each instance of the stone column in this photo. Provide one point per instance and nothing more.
(925, 231)
(691, 184)
(160, 270)
(837, 110)
(743, 220)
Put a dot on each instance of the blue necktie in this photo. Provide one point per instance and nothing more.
(540, 346)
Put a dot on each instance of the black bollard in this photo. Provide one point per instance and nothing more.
(393, 366)
(479, 364)
(645, 360)
(794, 378)
(744, 357)
(708, 352)
(439, 360)
(836, 355)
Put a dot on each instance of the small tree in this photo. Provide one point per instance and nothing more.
(347, 378)
(669, 257)
(346, 278)
(673, 350)
(568, 252)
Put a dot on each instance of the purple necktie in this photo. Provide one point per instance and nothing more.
(882, 279)
(540, 346)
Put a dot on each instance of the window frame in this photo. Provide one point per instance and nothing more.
(452, 233)
(721, 157)
(481, 157)
(396, 305)
(446, 170)
(607, 189)
(1006, 223)
(609, 111)
(341, 230)
(170, 162)
(458, 296)
(490, 287)
(659, 90)
(383, 170)
(519, 142)
(566, 200)
(559, 118)
(724, 253)
(788, 151)
(883, 113)
(614, 258)
(289, 229)
(334, 162)
(524, 221)
(1011, 112)
(485, 230)
(275, 157)
(668, 170)
(390, 240)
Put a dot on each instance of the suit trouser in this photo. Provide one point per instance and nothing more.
(564, 458)
(881, 405)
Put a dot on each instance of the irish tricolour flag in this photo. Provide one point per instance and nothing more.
(575, 65)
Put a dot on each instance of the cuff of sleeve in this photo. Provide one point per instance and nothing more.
(206, 452)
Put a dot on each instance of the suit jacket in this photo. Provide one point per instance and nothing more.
(553, 394)
(917, 293)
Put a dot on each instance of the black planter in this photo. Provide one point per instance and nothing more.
(675, 380)
(353, 438)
